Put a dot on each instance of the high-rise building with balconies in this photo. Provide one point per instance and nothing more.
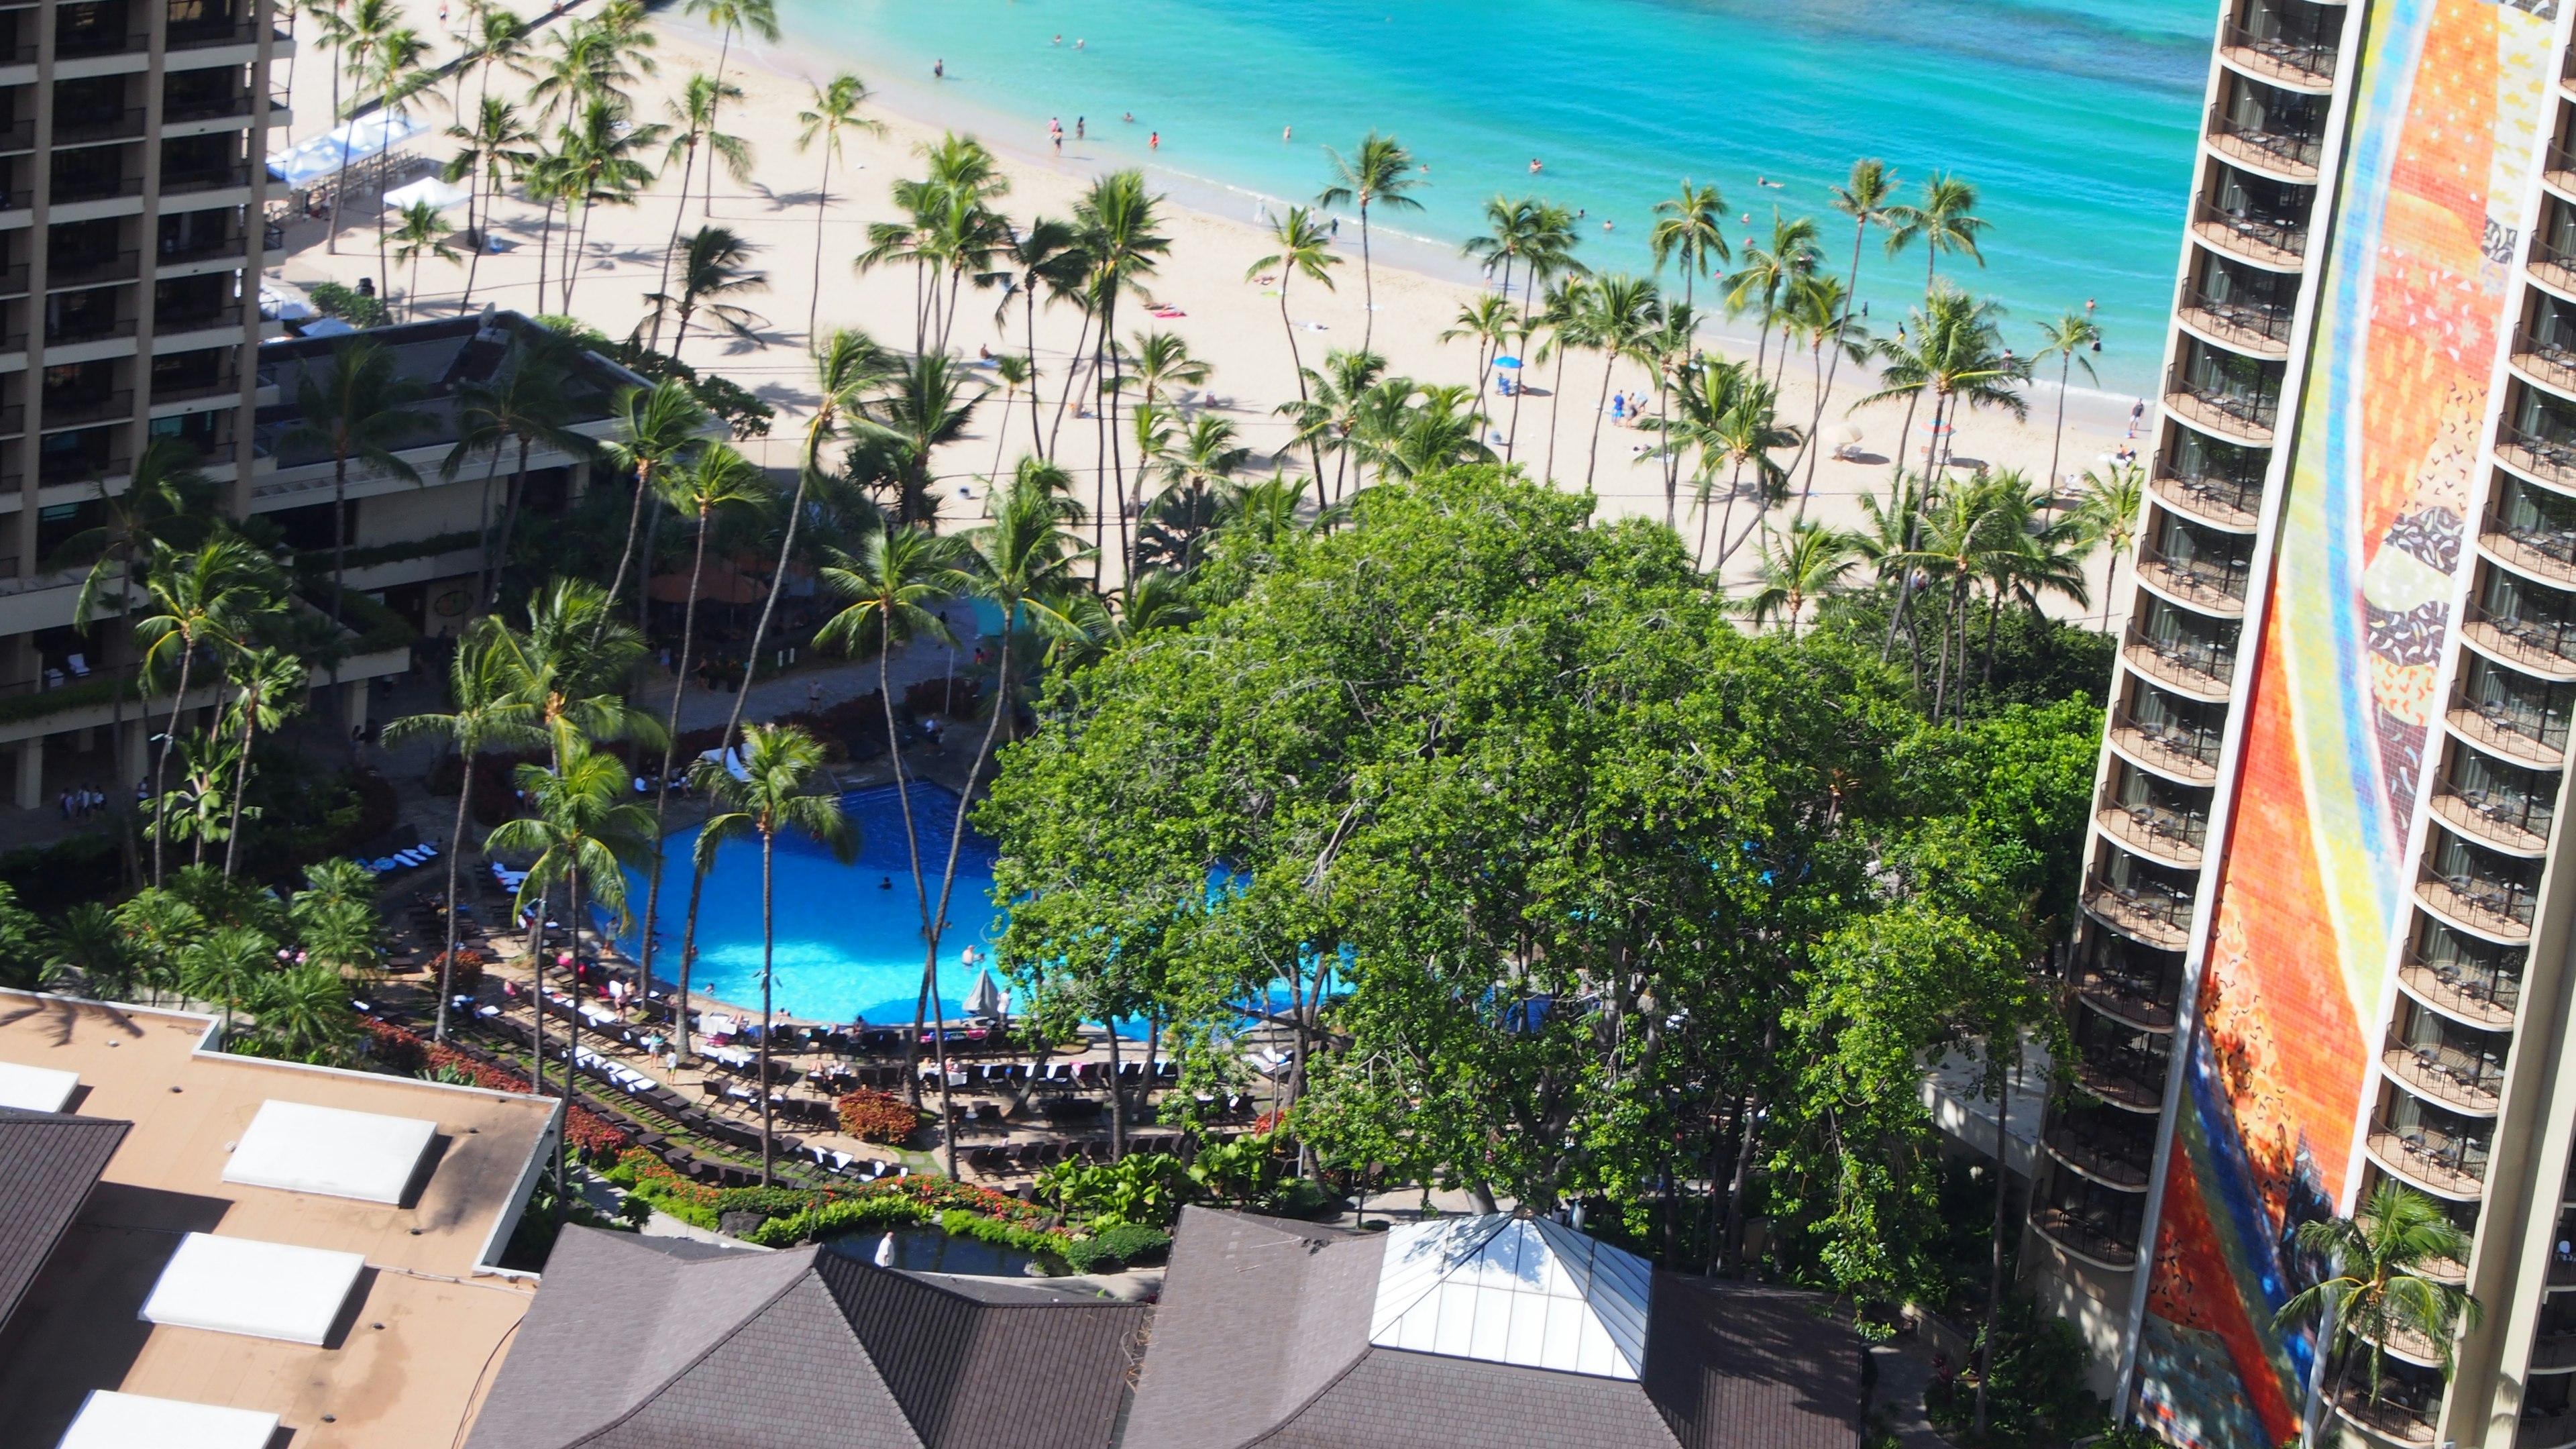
(2326, 912)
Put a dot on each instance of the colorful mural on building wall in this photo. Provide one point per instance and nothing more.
(2444, 106)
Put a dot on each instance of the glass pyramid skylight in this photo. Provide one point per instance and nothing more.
(1523, 1291)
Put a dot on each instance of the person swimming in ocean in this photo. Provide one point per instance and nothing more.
(885, 882)
(1535, 164)
(939, 70)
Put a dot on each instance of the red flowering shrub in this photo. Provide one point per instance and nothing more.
(468, 973)
(403, 1051)
(878, 1116)
(397, 1049)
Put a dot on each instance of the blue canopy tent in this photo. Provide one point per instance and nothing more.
(322, 157)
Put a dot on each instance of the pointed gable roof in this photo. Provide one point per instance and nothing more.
(1529, 1292)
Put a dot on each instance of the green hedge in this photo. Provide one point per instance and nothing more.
(316, 562)
(377, 627)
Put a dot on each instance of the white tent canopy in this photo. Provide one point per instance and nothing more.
(438, 194)
(360, 140)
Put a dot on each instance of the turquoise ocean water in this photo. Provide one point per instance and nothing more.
(2075, 119)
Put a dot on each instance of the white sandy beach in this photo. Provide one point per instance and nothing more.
(1228, 321)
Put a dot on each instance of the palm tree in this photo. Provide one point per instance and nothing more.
(1622, 312)
(364, 408)
(1115, 223)
(1492, 323)
(1043, 254)
(1197, 463)
(924, 404)
(550, 179)
(1380, 173)
(655, 428)
(1954, 352)
(205, 597)
(268, 686)
(693, 123)
(423, 233)
(1690, 228)
(2070, 338)
(583, 827)
(835, 109)
(1819, 317)
(588, 64)
(1304, 248)
(1767, 272)
(1329, 419)
(495, 38)
(600, 153)
(492, 150)
(958, 233)
(1436, 433)
(2380, 1284)
(716, 479)
(1016, 374)
(730, 17)
(781, 790)
(1567, 317)
(1967, 533)
(1806, 564)
(1946, 221)
(531, 400)
(893, 581)
(2108, 515)
(1729, 415)
(394, 72)
(712, 270)
(1863, 198)
(1022, 563)
(486, 713)
(353, 36)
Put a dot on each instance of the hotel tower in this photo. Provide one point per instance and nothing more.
(2327, 902)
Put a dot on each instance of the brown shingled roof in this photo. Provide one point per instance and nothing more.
(48, 1164)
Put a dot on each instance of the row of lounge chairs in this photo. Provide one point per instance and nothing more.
(402, 860)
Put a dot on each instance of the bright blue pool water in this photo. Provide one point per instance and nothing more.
(848, 946)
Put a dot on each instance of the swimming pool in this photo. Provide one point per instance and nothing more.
(849, 936)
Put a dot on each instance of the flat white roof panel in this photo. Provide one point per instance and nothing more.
(301, 1148)
(242, 1285)
(110, 1420)
(36, 1089)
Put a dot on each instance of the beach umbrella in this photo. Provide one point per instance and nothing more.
(430, 189)
(984, 998)
(1510, 362)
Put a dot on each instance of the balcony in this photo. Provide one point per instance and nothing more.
(183, 389)
(2213, 584)
(98, 407)
(2134, 1081)
(88, 329)
(2498, 910)
(68, 190)
(91, 270)
(222, 30)
(177, 183)
(2306, 65)
(2524, 736)
(2510, 822)
(2146, 915)
(2097, 1155)
(2434, 1160)
(2554, 1352)
(2481, 996)
(2543, 646)
(17, 138)
(2540, 547)
(81, 129)
(2291, 155)
(2551, 266)
(2247, 417)
(2173, 837)
(2189, 755)
(2229, 503)
(2547, 359)
(2095, 1243)
(2558, 169)
(212, 108)
(232, 247)
(2463, 1083)
(2132, 1000)
(2547, 460)
(72, 42)
(2196, 667)
(2273, 242)
(2262, 330)
(2387, 1418)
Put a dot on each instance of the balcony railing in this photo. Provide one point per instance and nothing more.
(2154, 917)
(2498, 908)
(182, 389)
(197, 34)
(2097, 1242)
(2188, 663)
(2542, 645)
(2137, 1000)
(2272, 240)
(2551, 460)
(196, 319)
(2453, 1078)
(2289, 153)
(2175, 836)
(96, 42)
(2300, 62)
(2234, 502)
(2249, 416)
(2388, 1417)
(2256, 327)
(2099, 1156)
(2554, 1350)
(2517, 822)
(2553, 265)
(209, 108)
(2134, 1080)
(64, 411)
(94, 188)
(2546, 358)
(174, 183)
(120, 125)
(84, 329)
(91, 270)
(2188, 753)
(2539, 547)
(17, 137)
(2215, 583)
(2529, 735)
(198, 250)
(2485, 995)
(2448, 1163)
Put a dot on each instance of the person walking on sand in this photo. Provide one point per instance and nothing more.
(2137, 415)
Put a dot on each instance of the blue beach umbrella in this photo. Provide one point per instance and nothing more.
(1511, 362)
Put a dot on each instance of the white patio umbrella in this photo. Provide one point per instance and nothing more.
(437, 193)
(984, 998)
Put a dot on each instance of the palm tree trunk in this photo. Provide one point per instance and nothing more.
(822, 201)
(572, 1019)
(948, 875)
(1995, 1275)
(2057, 440)
(339, 529)
(161, 766)
(634, 525)
(1368, 284)
(1555, 398)
(662, 800)
(1297, 365)
(577, 246)
(475, 219)
(455, 849)
(510, 518)
(1072, 382)
(680, 338)
(1036, 401)
(768, 940)
(688, 169)
(483, 535)
(248, 700)
(1731, 1244)
(912, 846)
(1600, 409)
(715, 104)
(1117, 1092)
(545, 239)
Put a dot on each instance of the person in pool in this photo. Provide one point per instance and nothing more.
(885, 882)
